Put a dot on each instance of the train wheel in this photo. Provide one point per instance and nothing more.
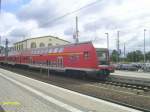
(83, 75)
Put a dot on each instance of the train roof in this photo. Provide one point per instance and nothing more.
(42, 37)
(67, 45)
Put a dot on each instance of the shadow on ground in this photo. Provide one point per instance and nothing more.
(1, 109)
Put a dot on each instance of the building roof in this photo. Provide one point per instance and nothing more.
(42, 37)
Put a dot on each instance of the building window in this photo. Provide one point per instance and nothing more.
(33, 45)
(50, 50)
(55, 50)
(50, 44)
(42, 44)
(60, 50)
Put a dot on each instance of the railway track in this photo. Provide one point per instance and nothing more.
(128, 85)
(82, 86)
(110, 82)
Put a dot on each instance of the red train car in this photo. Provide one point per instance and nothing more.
(73, 59)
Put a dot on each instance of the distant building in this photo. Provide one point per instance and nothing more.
(45, 41)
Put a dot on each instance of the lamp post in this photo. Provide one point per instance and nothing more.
(107, 34)
(144, 46)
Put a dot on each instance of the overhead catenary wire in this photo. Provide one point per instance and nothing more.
(67, 14)
(72, 12)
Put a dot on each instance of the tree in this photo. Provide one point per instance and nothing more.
(135, 56)
(114, 56)
(148, 56)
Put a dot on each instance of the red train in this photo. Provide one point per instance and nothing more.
(73, 59)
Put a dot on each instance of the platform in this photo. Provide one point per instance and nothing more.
(36, 96)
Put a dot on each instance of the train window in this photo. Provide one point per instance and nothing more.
(55, 50)
(33, 51)
(50, 51)
(60, 50)
(42, 51)
(45, 51)
(74, 58)
(86, 55)
(38, 51)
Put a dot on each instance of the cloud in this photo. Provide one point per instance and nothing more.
(19, 32)
(42, 11)
(10, 1)
(8, 21)
(103, 23)
(13, 29)
(69, 31)
(39, 18)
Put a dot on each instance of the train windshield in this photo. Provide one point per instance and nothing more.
(102, 57)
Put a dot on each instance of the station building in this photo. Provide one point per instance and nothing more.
(39, 42)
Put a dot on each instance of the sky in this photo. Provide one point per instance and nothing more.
(22, 19)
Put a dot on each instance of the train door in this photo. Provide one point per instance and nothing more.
(29, 60)
(60, 62)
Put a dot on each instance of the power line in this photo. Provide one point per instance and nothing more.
(72, 12)
(67, 14)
